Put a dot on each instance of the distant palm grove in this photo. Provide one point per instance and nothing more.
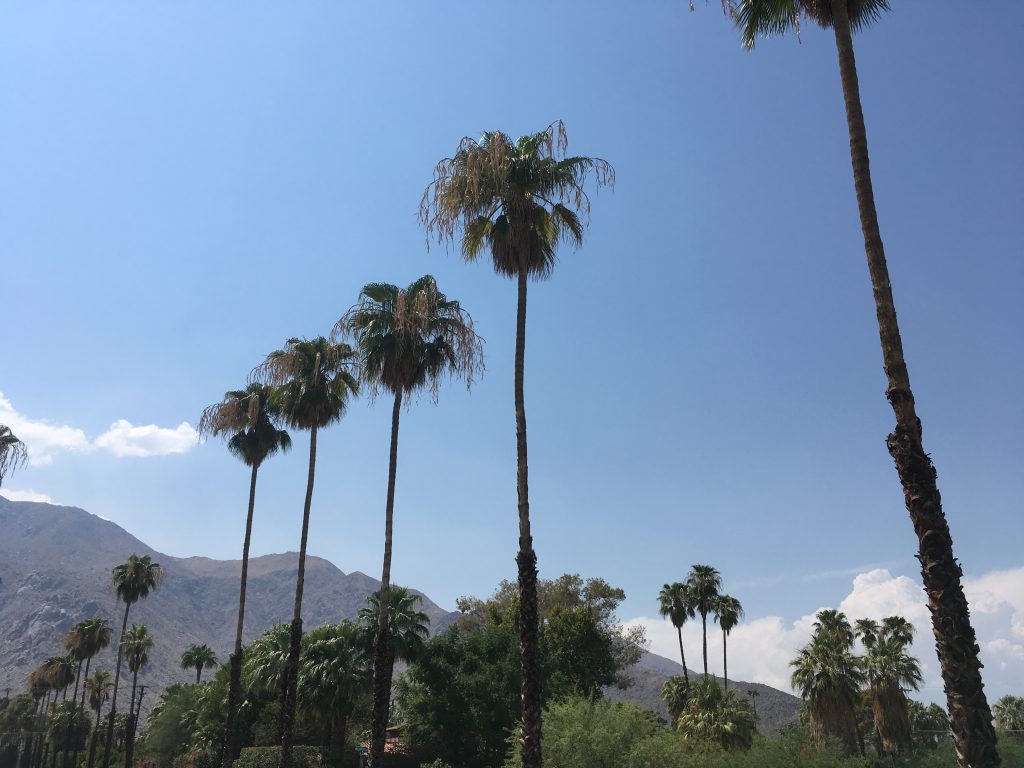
(519, 680)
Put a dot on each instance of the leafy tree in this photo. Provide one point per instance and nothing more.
(13, 452)
(728, 613)
(334, 672)
(460, 699)
(249, 421)
(169, 726)
(674, 604)
(133, 581)
(702, 585)
(516, 200)
(716, 717)
(891, 671)
(577, 655)
(955, 639)
(97, 688)
(199, 657)
(829, 676)
(581, 733)
(407, 340)
(313, 382)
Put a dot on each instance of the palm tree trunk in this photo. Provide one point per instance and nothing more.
(382, 641)
(67, 731)
(41, 749)
(235, 682)
(682, 656)
(969, 714)
(92, 741)
(85, 676)
(113, 698)
(704, 622)
(289, 680)
(725, 660)
(129, 748)
(526, 560)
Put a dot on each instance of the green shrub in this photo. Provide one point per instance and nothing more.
(268, 757)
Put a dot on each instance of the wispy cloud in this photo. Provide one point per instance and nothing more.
(761, 648)
(45, 440)
(27, 494)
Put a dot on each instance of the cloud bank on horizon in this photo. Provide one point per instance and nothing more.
(45, 441)
(761, 648)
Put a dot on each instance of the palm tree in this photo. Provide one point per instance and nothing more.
(674, 604)
(133, 581)
(137, 645)
(248, 420)
(955, 641)
(410, 627)
(829, 676)
(98, 689)
(407, 340)
(313, 382)
(1009, 713)
(702, 585)
(335, 671)
(675, 692)
(516, 200)
(728, 612)
(713, 716)
(13, 452)
(83, 641)
(266, 658)
(891, 671)
(199, 657)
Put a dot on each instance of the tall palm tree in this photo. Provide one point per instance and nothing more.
(133, 581)
(138, 643)
(728, 613)
(199, 657)
(249, 421)
(891, 671)
(313, 380)
(13, 452)
(829, 676)
(97, 688)
(516, 200)
(674, 604)
(407, 340)
(83, 641)
(335, 671)
(60, 672)
(955, 641)
(703, 584)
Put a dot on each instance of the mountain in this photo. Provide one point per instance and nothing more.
(55, 565)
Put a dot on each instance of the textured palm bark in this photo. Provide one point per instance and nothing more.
(892, 719)
(382, 641)
(682, 656)
(704, 623)
(67, 731)
(969, 714)
(235, 680)
(526, 561)
(129, 741)
(92, 741)
(290, 678)
(113, 697)
(725, 661)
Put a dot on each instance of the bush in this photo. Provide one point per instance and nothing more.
(268, 757)
(196, 759)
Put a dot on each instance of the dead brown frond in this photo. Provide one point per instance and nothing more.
(227, 416)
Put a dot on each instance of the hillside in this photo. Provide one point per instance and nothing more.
(55, 571)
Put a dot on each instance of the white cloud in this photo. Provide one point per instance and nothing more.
(760, 648)
(45, 440)
(27, 494)
(125, 439)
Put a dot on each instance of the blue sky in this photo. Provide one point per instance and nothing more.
(183, 186)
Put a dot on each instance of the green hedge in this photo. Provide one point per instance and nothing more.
(268, 757)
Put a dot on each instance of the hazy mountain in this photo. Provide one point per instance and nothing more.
(55, 567)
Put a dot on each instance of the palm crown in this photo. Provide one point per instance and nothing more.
(87, 638)
(98, 688)
(136, 578)
(728, 612)
(517, 199)
(763, 18)
(248, 420)
(674, 603)
(409, 626)
(13, 452)
(137, 644)
(199, 657)
(410, 338)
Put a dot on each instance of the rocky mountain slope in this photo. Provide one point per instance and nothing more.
(55, 567)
